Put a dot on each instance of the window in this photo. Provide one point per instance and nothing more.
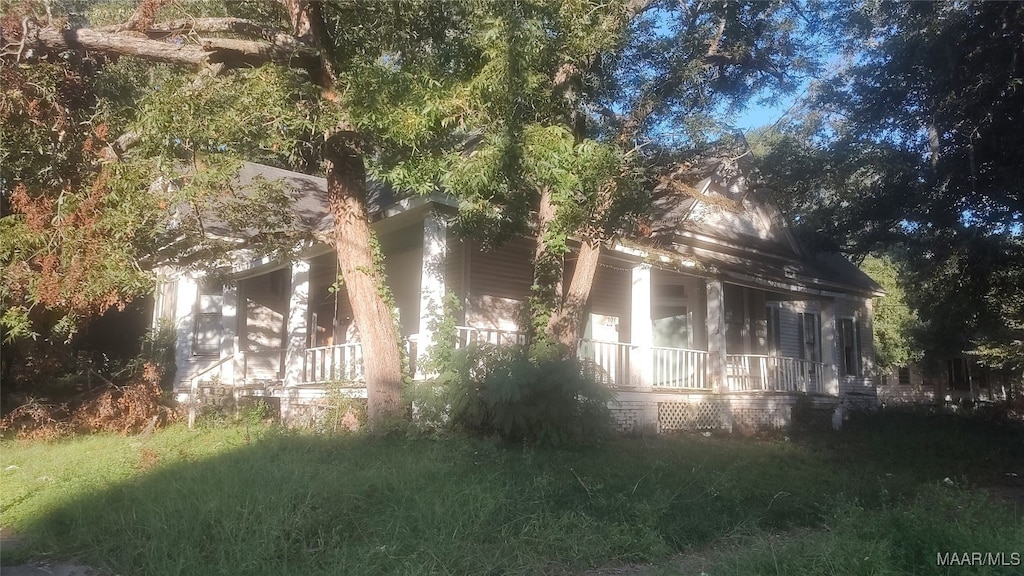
(810, 337)
(206, 339)
(959, 374)
(904, 376)
(849, 346)
(166, 300)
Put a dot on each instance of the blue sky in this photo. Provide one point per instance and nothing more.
(757, 116)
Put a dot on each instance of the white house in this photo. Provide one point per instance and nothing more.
(716, 318)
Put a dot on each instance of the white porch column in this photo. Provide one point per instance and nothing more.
(435, 249)
(298, 327)
(829, 341)
(641, 328)
(717, 369)
(229, 372)
(184, 326)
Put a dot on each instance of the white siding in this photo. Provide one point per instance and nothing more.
(454, 272)
(790, 333)
(403, 270)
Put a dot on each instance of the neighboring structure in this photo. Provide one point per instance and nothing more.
(715, 319)
(958, 381)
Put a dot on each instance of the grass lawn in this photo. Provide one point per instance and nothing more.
(873, 499)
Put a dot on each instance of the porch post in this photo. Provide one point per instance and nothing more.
(298, 327)
(830, 375)
(184, 324)
(184, 332)
(718, 380)
(641, 328)
(229, 373)
(435, 248)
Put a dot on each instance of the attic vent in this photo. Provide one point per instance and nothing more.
(790, 271)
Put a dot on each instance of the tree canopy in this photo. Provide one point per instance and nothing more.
(123, 124)
(912, 147)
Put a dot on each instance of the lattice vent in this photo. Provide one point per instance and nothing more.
(684, 416)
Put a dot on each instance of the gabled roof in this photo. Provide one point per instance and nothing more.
(707, 212)
(710, 212)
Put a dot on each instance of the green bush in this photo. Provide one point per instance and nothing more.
(503, 391)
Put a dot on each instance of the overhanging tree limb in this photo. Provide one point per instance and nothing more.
(279, 49)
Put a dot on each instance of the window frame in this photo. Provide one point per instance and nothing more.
(853, 344)
(208, 289)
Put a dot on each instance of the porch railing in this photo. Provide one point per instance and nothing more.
(466, 335)
(671, 367)
(340, 362)
(344, 362)
(679, 368)
(747, 372)
(674, 368)
(610, 358)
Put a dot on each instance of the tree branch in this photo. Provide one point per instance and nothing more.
(282, 49)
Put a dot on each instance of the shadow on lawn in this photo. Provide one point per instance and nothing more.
(291, 503)
(925, 444)
(299, 504)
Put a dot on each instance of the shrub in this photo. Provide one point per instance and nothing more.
(502, 390)
(137, 405)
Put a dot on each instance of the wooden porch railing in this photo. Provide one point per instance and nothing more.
(344, 362)
(466, 335)
(747, 372)
(340, 362)
(680, 368)
(194, 382)
(673, 368)
(610, 358)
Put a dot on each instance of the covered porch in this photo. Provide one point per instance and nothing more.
(648, 328)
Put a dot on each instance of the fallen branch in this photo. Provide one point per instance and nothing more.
(582, 483)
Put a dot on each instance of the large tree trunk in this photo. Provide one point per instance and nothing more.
(566, 323)
(353, 238)
(382, 362)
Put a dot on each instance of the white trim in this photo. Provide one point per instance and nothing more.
(230, 373)
(641, 327)
(715, 320)
(298, 323)
(432, 287)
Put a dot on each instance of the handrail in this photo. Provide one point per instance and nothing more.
(760, 372)
(194, 384)
(473, 335)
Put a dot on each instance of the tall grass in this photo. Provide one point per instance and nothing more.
(222, 501)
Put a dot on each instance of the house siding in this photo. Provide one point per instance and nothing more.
(499, 284)
(404, 271)
(610, 295)
(454, 272)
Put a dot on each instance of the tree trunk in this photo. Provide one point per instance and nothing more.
(546, 292)
(565, 324)
(382, 362)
